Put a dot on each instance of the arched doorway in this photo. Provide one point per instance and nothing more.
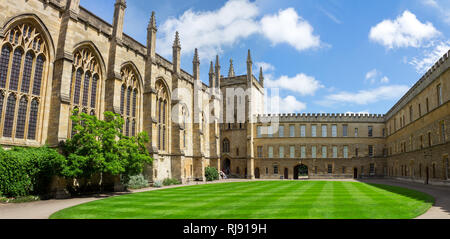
(286, 173)
(355, 173)
(257, 173)
(300, 171)
(227, 166)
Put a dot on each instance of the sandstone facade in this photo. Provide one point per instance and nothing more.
(57, 56)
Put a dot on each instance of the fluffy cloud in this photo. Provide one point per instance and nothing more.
(373, 75)
(385, 79)
(288, 27)
(364, 97)
(405, 31)
(265, 66)
(209, 31)
(288, 104)
(441, 6)
(430, 56)
(301, 83)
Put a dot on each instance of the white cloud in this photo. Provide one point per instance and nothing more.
(385, 79)
(371, 75)
(210, 31)
(405, 31)
(301, 83)
(289, 104)
(430, 57)
(364, 97)
(265, 66)
(441, 6)
(288, 27)
(330, 15)
(374, 74)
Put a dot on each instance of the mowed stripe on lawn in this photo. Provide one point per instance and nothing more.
(261, 199)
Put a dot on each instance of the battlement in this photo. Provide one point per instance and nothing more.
(432, 74)
(322, 117)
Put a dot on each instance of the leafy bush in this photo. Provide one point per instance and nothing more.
(211, 174)
(21, 199)
(157, 184)
(171, 181)
(136, 182)
(99, 147)
(25, 171)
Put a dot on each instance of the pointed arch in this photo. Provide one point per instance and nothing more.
(27, 52)
(36, 22)
(91, 47)
(87, 81)
(225, 145)
(130, 97)
(163, 113)
(132, 66)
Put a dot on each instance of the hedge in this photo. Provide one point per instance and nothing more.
(26, 171)
(211, 174)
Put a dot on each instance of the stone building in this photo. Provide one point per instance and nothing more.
(56, 56)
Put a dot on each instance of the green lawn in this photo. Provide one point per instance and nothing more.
(260, 200)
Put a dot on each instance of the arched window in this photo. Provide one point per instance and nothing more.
(162, 101)
(184, 115)
(21, 118)
(38, 75)
(2, 99)
(87, 78)
(22, 68)
(4, 62)
(33, 119)
(15, 69)
(122, 98)
(84, 84)
(9, 116)
(226, 146)
(27, 72)
(129, 98)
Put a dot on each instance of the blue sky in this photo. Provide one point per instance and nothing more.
(332, 56)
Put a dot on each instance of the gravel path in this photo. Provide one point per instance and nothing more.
(43, 209)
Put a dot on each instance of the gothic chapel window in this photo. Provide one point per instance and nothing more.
(128, 100)
(84, 84)
(23, 59)
(162, 117)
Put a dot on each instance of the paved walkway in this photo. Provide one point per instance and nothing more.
(43, 209)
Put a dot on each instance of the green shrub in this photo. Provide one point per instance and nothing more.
(25, 171)
(21, 199)
(136, 182)
(157, 184)
(211, 174)
(171, 181)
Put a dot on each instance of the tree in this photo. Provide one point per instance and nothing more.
(98, 146)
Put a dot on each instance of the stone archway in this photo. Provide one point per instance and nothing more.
(227, 166)
(300, 170)
(257, 175)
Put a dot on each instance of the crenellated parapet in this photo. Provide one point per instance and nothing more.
(432, 74)
(321, 117)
